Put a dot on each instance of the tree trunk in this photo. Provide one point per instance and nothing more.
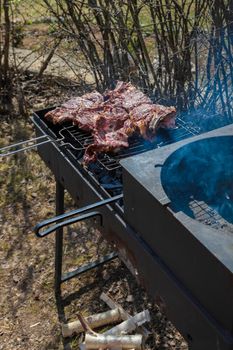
(5, 79)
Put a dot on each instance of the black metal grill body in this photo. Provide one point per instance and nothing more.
(200, 255)
(191, 317)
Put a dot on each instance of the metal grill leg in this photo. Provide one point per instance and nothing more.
(59, 278)
(84, 268)
(59, 238)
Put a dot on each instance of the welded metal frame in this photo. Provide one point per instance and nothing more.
(182, 308)
(59, 238)
(80, 139)
(59, 277)
(199, 255)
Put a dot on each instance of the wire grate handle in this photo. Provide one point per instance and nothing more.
(33, 143)
(26, 146)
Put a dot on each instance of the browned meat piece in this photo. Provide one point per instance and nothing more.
(168, 121)
(86, 119)
(60, 115)
(113, 117)
(80, 110)
(110, 119)
(108, 134)
(148, 118)
(126, 96)
(111, 141)
(120, 88)
(133, 99)
(113, 133)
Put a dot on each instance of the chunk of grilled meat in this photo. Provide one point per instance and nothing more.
(113, 117)
(127, 96)
(82, 111)
(147, 118)
(144, 120)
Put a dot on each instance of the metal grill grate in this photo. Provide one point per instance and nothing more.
(208, 216)
(107, 169)
(81, 139)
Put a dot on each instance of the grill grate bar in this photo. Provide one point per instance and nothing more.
(81, 139)
(107, 169)
(138, 146)
(208, 216)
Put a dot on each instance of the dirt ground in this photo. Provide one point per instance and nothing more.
(33, 47)
(30, 315)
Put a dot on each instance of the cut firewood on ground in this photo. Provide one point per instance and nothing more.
(113, 341)
(94, 321)
(118, 337)
(130, 325)
(95, 340)
(125, 315)
(106, 318)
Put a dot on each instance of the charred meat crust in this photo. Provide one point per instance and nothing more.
(113, 117)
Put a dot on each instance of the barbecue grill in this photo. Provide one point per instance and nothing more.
(184, 263)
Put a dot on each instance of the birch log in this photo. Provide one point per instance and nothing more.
(93, 321)
(112, 341)
(129, 325)
(113, 305)
(125, 315)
